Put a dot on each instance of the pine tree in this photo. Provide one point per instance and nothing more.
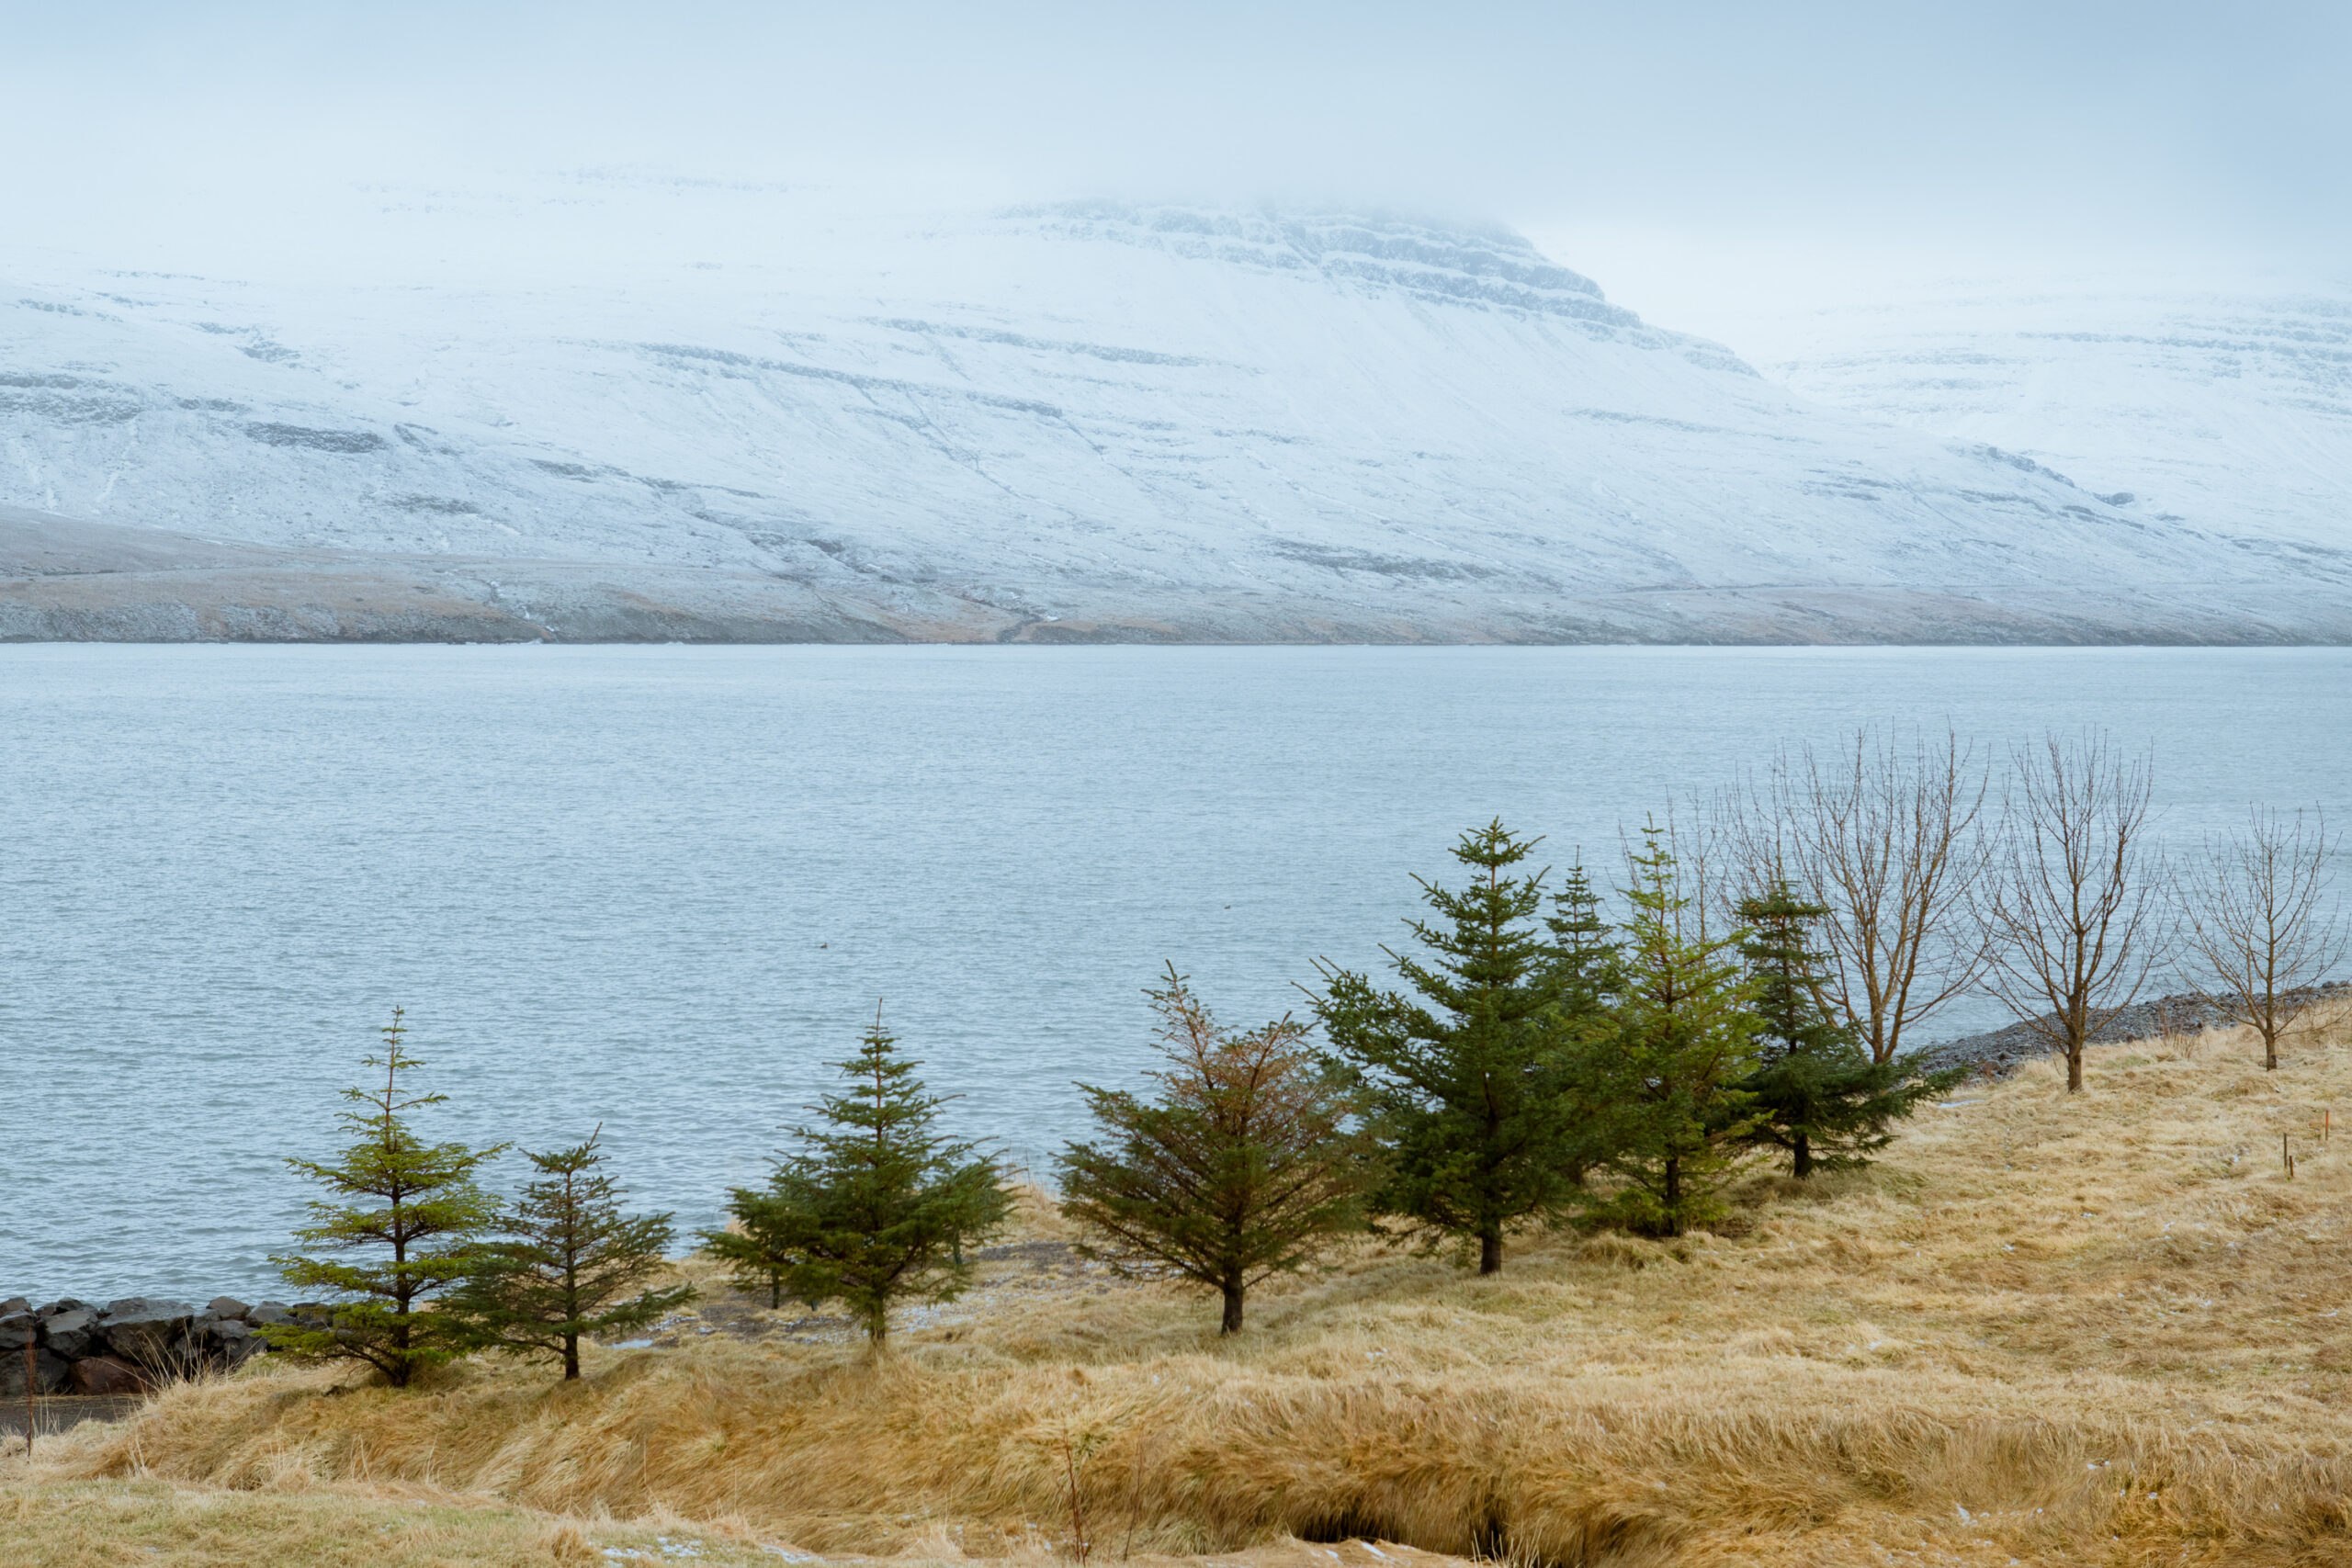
(1815, 1092)
(1242, 1167)
(1467, 1082)
(414, 1200)
(567, 1262)
(1670, 1067)
(1583, 948)
(875, 1211)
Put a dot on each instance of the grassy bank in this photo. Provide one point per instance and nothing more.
(2060, 1330)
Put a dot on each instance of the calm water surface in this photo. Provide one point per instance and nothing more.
(662, 887)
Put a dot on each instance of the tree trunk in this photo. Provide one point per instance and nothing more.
(2074, 1066)
(397, 1373)
(1673, 1195)
(1232, 1324)
(1804, 1156)
(1490, 1251)
(570, 1357)
(2270, 1050)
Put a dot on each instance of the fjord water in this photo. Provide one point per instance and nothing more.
(661, 888)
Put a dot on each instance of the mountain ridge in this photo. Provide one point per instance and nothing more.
(1184, 422)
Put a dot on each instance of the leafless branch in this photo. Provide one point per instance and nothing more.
(2072, 914)
(1889, 837)
(2258, 921)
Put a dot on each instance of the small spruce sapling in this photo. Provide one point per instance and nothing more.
(875, 1210)
(570, 1264)
(1242, 1167)
(1583, 948)
(413, 1205)
(1466, 1080)
(1668, 1071)
(1815, 1092)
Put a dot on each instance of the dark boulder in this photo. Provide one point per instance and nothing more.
(14, 1305)
(17, 1331)
(72, 1335)
(143, 1331)
(48, 1373)
(68, 1303)
(270, 1314)
(105, 1375)
(225, 1306)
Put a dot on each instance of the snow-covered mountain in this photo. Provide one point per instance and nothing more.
(2230, 406)
(767, 415)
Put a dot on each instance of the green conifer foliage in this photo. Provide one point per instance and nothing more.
(569, 1264)
(1466, 1080)
(1584, 947)
(1243, 1166)
(1815, 1092)
(1669, 1069)
(875, 1210)
(414, 1206)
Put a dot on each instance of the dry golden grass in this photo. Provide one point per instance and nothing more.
(86, 1524)
(2099, 1328)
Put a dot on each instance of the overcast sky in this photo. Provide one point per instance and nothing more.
(1718, 132)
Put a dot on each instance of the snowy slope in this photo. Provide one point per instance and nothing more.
(2229, 405)
(1178, 421)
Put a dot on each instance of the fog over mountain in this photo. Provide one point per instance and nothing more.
(784, 323)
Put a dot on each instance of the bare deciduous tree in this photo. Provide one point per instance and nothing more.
(2260, 922)
(1887, 837)
(2073, 911)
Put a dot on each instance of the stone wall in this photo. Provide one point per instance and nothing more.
(128, 1346)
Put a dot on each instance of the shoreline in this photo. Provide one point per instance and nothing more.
(2003, 1052)
(64, 579)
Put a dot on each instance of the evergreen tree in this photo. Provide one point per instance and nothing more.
(1465, 1081)
(1243, 1166)
(1669, 1068)
(567, 1261)
(1583, 946)
(412, 1202)
(1815, 1092)
(875, 1211)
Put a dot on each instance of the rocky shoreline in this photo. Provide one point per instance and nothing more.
(2004, 1051)
(66, 580)
(132, 1344)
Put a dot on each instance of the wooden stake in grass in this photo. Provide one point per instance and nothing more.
(1078, 1544)
(2285, 1157)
